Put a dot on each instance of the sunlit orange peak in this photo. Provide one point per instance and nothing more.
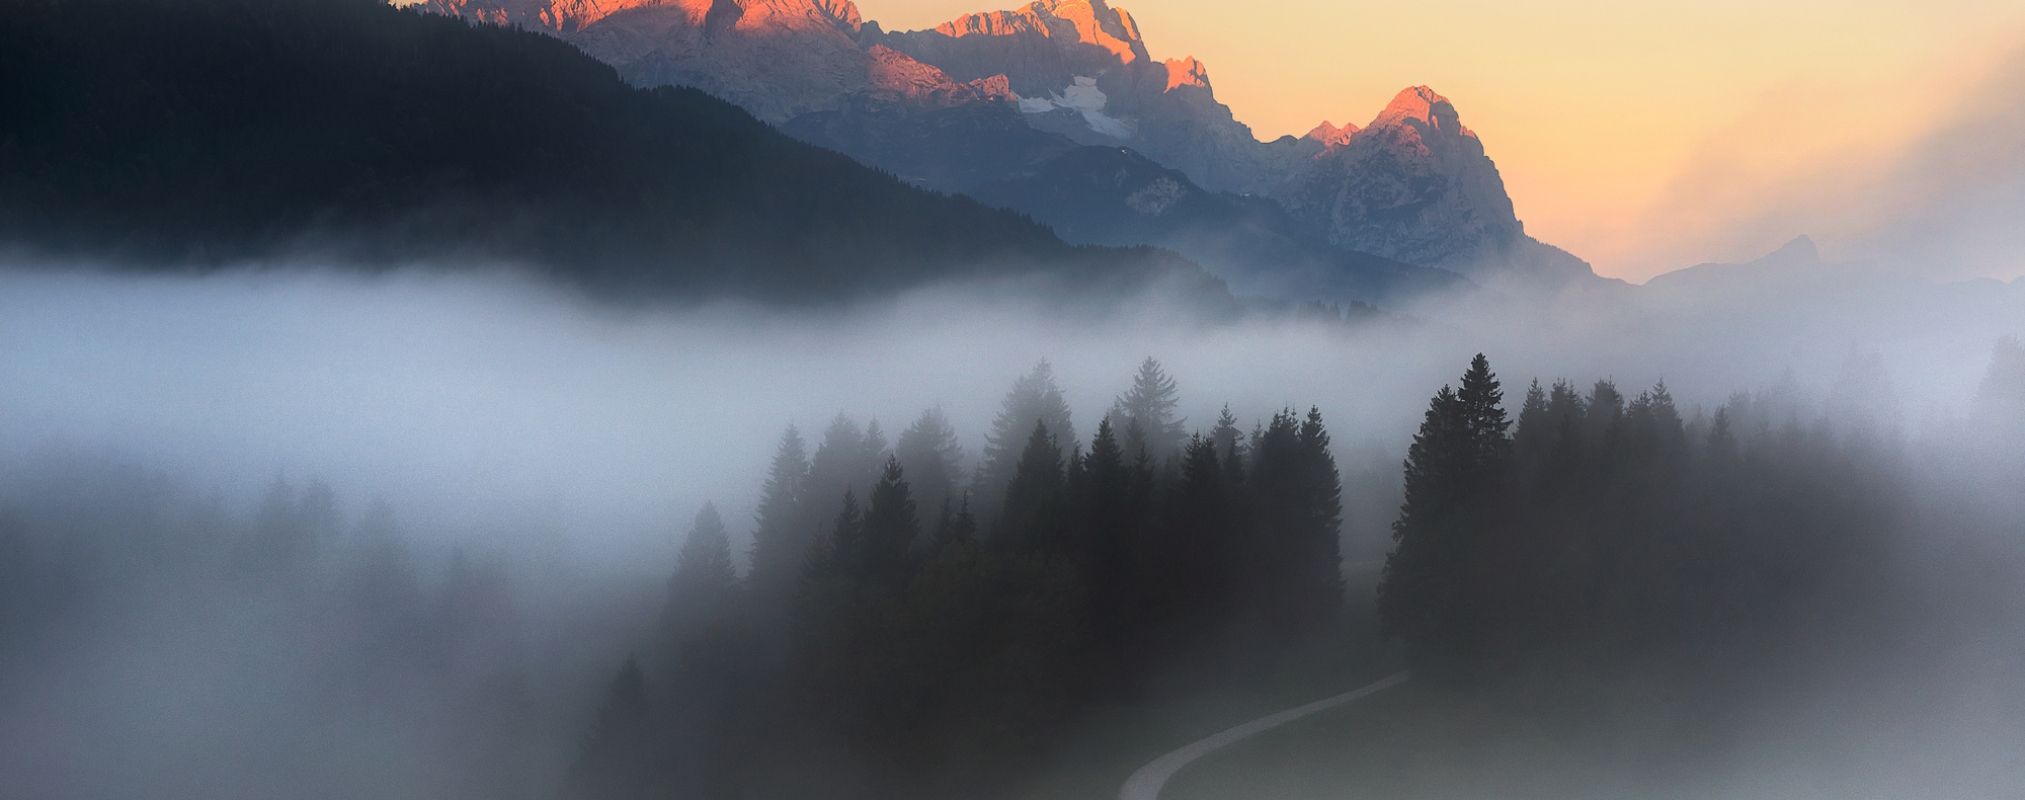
(1415, 102)
(1331, 135)
(1186, 72)
(1091, 22)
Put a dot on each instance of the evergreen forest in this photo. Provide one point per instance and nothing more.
(912, 620)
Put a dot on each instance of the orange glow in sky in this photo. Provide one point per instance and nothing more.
(1643, 135)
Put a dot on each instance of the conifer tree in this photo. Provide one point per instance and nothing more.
(1484, 414)
(1196, 563)
(849, 458)
(1034, 399)
(1603, 418)
(1533, 442)
(889, 529)
(1147, 413)
(932, 458)
(1654, 426)
(838, 555)
(701, 589)
(1230, 445)
(1031, 521)
(959, 527)
(1296, 515)
(1110, 534)
(782, 538)
(1431, 595)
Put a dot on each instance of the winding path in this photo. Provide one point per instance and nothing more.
(1147, 782)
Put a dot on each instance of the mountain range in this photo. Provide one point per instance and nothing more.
(190, 134)
(996, 105)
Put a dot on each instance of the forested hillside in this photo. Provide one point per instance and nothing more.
(915, 621)
(199, 133)
(900, 635)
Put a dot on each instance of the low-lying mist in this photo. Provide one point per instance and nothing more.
(532, 459)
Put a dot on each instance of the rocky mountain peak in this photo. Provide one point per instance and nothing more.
(1088, 22)
(895, 78)
(1186, 72)
(573, 16)
(1423, 110)
(1330, 135)
(1416, 186)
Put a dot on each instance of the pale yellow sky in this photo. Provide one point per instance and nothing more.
(1643, 135)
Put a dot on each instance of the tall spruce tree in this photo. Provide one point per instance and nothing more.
(929, 453)
(849, 459)
(1430, 595)
(700, 591)
(1533, 442)
(889, 529)
(1193, 564)
(1295, 580)
(1031, 518)
(1035, 398)
(1230, 445)
(783, 534)
(1145, 414)
(1110, 531)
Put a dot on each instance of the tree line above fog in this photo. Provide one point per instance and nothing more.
(1588, 542)
(903, 617)
(198, 133)
(913, 624)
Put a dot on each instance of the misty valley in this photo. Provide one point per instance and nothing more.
(741, 399)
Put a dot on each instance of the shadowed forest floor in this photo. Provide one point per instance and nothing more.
(1117, 740)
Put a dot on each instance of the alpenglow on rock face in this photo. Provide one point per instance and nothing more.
(1414, 186)
(1082, 70)
(775, 58)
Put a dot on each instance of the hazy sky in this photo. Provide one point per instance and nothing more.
(1637, 134)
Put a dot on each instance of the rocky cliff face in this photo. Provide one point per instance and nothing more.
(775, 58)
(1082, 70)
(1041, 48)
(1415, 185)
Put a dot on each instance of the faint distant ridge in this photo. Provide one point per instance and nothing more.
(191, 134)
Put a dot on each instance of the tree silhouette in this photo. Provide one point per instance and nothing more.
(1146, 414)
(933, 459)
(701, 590)
(1433, 594)
(1035, 398)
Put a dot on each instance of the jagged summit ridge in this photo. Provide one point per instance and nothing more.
(1186, 72)
(1423, 108)
(571, 16)
(1415, 185)
(1080, 22)
(775, 58)
(1330, 135)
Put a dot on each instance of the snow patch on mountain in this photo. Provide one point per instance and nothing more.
(1084, 98)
